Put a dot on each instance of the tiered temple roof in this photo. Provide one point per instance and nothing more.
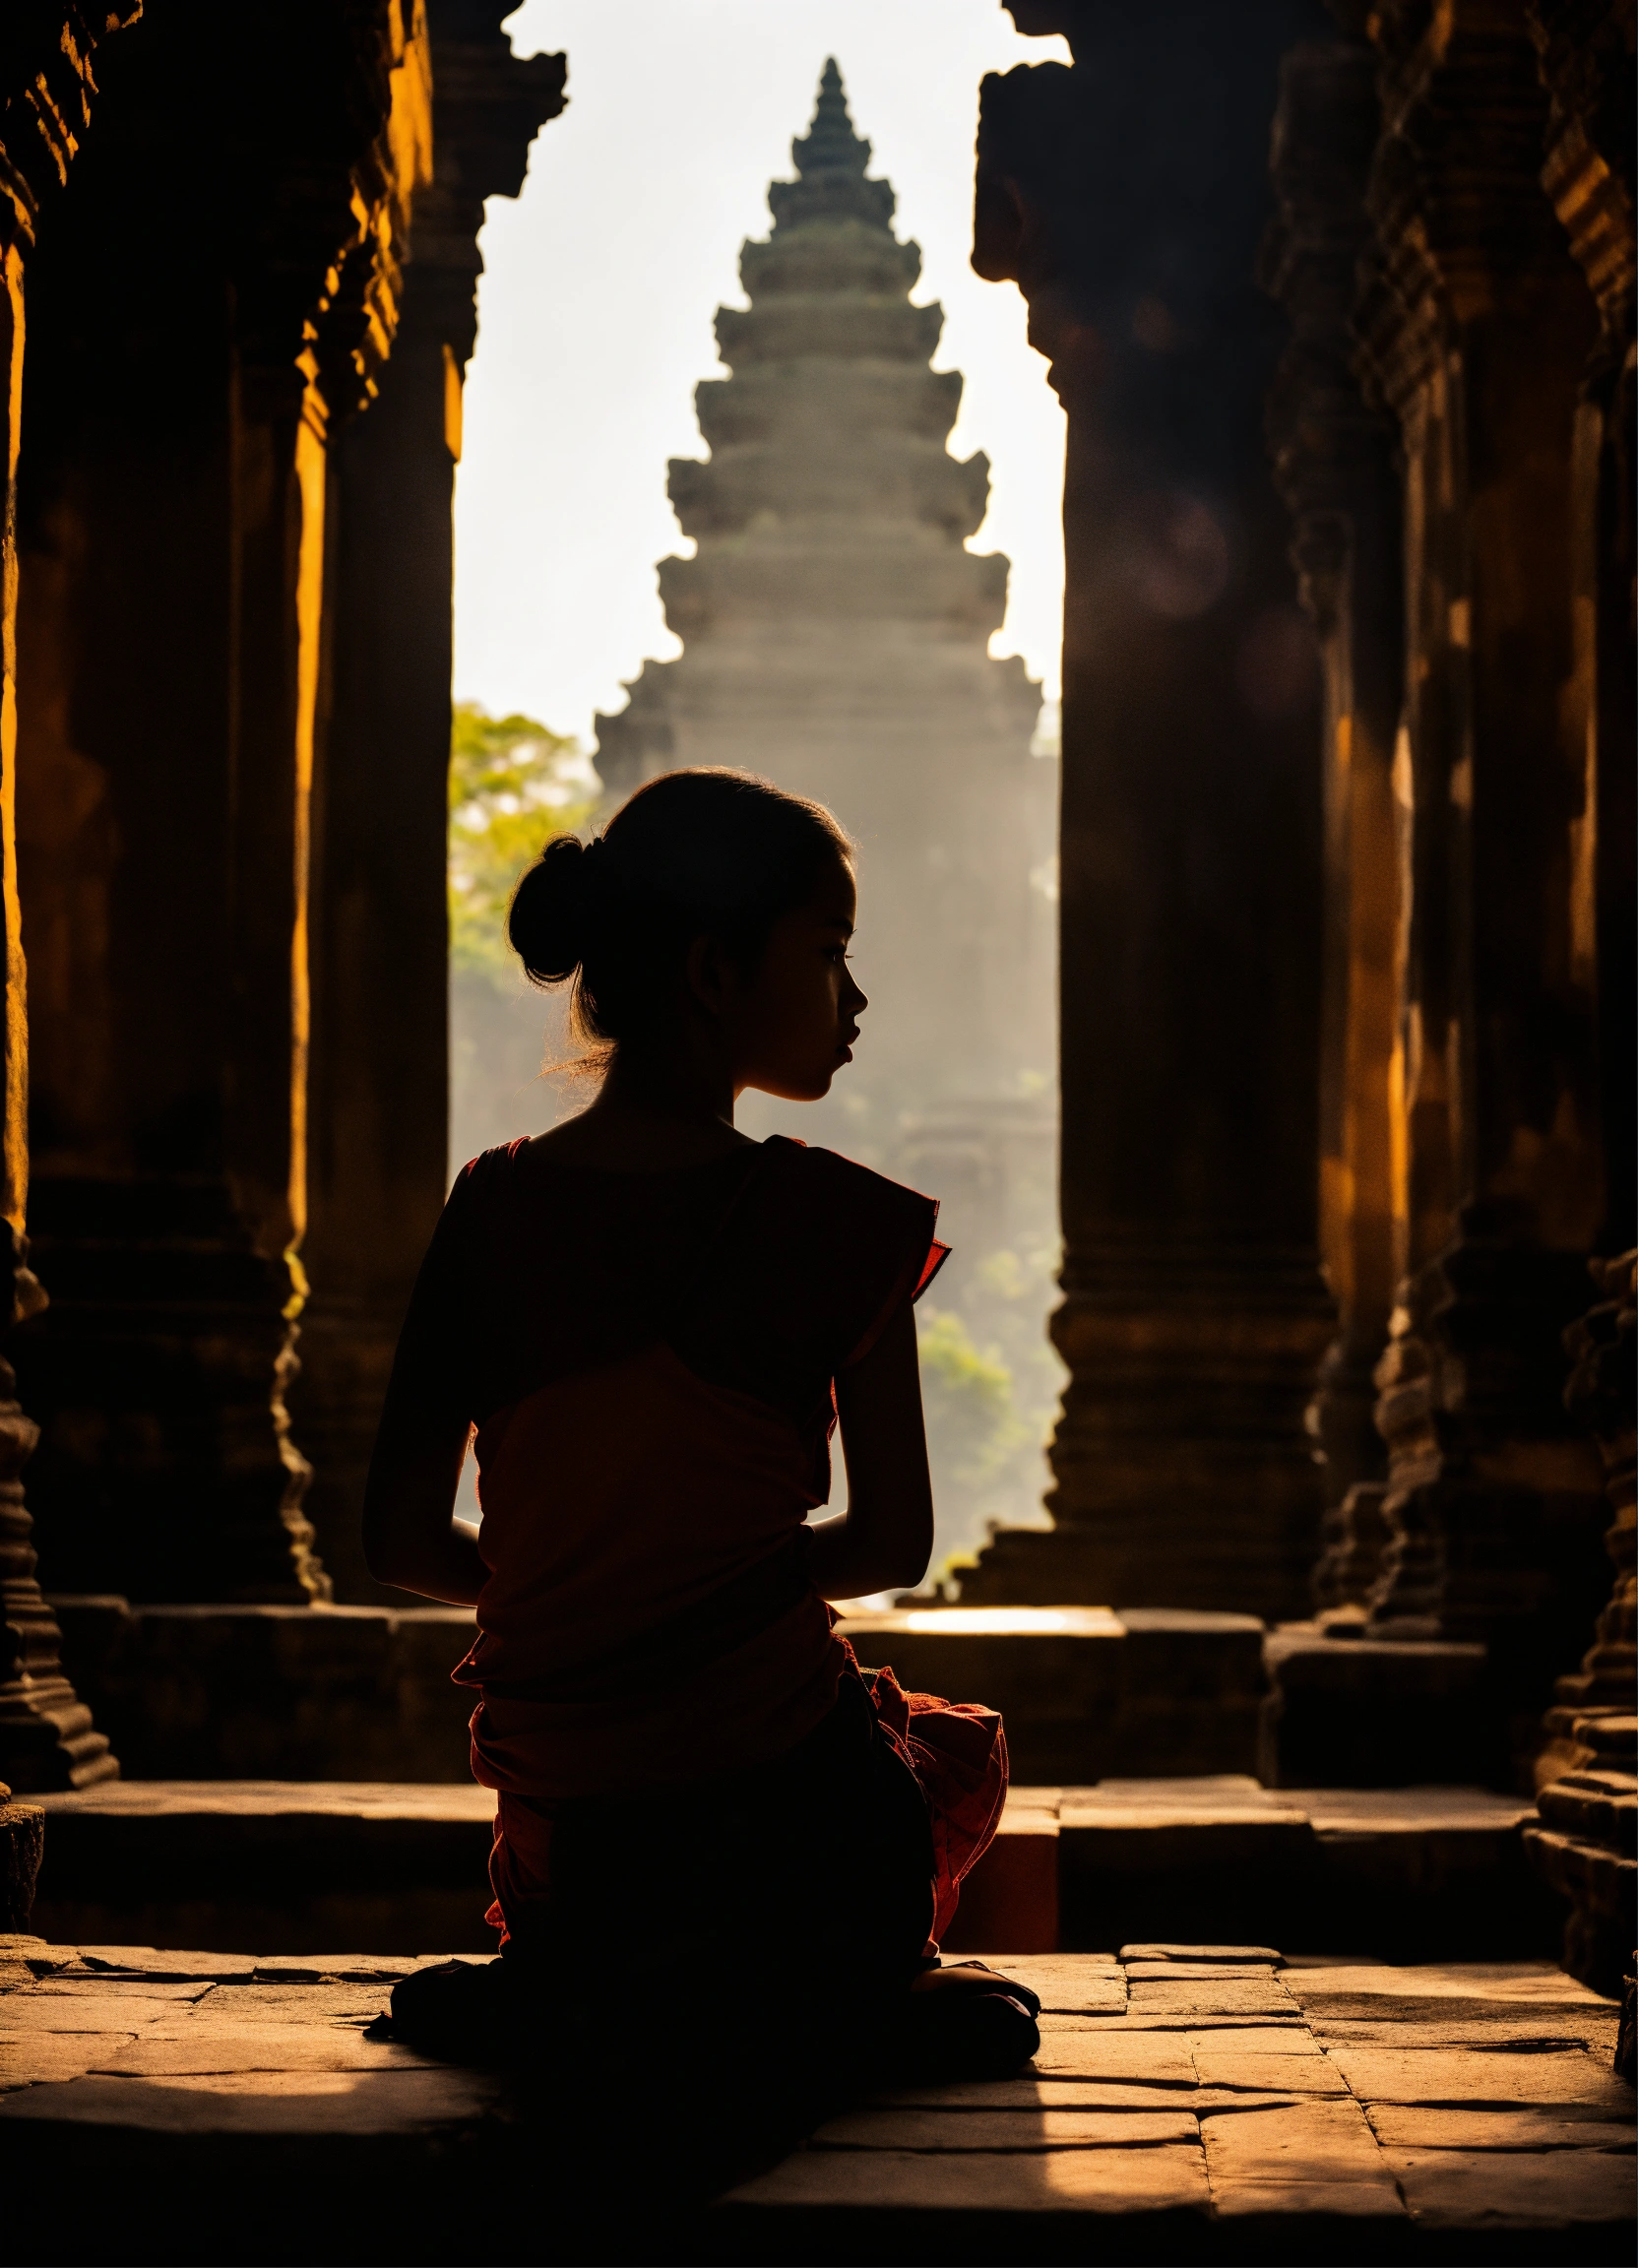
(835, 630)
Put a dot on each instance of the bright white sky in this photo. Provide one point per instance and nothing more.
(602, 281)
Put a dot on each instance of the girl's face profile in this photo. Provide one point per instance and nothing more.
(792, 1025)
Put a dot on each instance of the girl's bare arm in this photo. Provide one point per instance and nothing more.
(885, 1538)
(411, 1539)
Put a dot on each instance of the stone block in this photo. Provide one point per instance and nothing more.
(108, 2011)
(1087, 1693)
(282, 1692)
(230, 1866)
(1420, 1872)
(22, 1847)
(1602, 1887)
(990, 2181)
(1236, 2000)
(1055, 1673)
(1193, 1691)
(1343, 1711)
(945, 2127)
(1414, 1873)
(1563, 2190)
(1184, 1861)
(1262, 1956)
(1471, 2076)
(1543, 2127)
(1011, 1897)
(415, 2101)
(1593, 1807)
(1302, 2157)
(1227, 2060)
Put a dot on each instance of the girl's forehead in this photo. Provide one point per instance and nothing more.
(836, 893)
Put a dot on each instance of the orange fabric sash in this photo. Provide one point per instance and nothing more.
(958, 1751)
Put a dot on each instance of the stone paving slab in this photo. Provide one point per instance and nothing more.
(193, 2086)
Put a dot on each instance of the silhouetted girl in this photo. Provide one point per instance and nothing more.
(653, 1323)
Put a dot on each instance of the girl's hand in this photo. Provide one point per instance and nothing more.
(411, 1539)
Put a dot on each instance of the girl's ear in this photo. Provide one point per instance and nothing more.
(711, 975)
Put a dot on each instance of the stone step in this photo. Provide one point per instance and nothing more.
(1188, 2104)
(395, 1868)
(364, 1693)
(1347, 1711)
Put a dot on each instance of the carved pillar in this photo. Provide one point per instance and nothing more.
(378, 1113)
(1585, 52)
(46, 1736)
(1587, 1774)
(1476, 326)
(1126, 197)
(219, 281)
(1334, 464)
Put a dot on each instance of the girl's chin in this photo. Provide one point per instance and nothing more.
(810, 1090)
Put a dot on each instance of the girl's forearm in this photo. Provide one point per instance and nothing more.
(846, 1561)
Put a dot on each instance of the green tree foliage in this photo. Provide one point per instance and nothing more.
(513, 783)
(982, 1449)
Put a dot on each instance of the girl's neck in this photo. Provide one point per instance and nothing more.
(652, 1111)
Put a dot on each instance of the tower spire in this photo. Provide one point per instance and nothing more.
(829, 161)
(830, 144)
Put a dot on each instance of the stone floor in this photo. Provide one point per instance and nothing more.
(1186, 2105)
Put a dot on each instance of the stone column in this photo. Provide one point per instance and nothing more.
(379, 1089)
(1586, 62)
(219, 281)
(1476, 326)
(1334, 465)
(46, 1736)
(1587, 1773)
(1126, 197)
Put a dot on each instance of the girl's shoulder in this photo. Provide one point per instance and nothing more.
(482, 1184)
(824, 1180)
(822, 1249)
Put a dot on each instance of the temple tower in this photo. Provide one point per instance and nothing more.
(836, 635)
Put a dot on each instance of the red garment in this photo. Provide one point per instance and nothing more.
(957, 1750)
(648, 1363)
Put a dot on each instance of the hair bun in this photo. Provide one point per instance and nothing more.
(552, 909)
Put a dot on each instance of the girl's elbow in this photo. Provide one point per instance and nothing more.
(907, 1569)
